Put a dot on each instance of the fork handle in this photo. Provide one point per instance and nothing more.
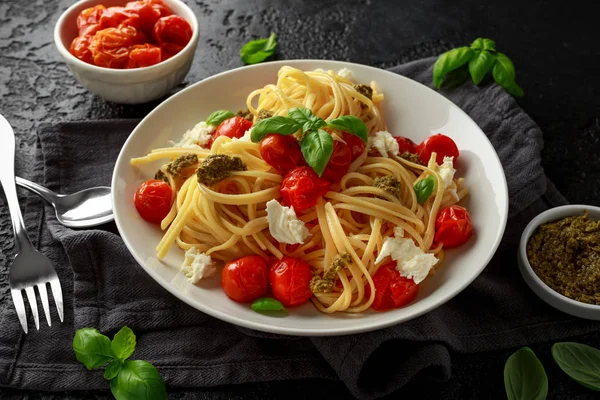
(7, 179)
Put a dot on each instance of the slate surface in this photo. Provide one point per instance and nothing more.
(553, 47)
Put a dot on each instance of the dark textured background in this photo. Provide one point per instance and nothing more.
(553, 45)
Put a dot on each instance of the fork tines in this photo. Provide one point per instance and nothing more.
(17, 297)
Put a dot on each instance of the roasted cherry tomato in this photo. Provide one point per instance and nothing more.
(391, 289)
(357, 146)
(302, 187)
(80, 49)
(442, 145)
(405, 145)
(172, 29)
(453, 226)
(245, 279)
(153, 200)
(159, 6)
(89, 19)
(233, 127)
(170, 49)
(110, 47)
(113, 17)
(143, 55)
(290, 281)
(148, 14)
(339, 163)
(280, 152)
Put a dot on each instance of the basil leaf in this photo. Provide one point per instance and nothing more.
(504, 75)
(489, 45)
(424, 188)
(450, 61)
(219, 116)
(123, 344)
(456, 78)
(352, 124)
(258, 50)
(524, 376)
(306, 118)
(92, 348)
(317, 148)
(480, 65)
(277, 124)
(267, 304)
(138, 380)
(112, 369)
(580, 362)
(477, 44)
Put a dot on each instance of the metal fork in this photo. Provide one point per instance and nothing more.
(30, 268)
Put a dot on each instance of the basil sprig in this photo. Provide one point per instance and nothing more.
(256, 51)
(219, 116)
(525, 377)
(424, 188)
(129, 379)
(580, 362)
(267, 304)
(479, 59)
(316, 144)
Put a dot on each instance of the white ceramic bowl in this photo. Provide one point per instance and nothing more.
(126, 86)
(555, 299)
(411, 110)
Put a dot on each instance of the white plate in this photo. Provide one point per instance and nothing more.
(410, 108)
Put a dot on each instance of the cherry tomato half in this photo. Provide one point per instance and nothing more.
(80, 49)
(280, 152)
(172, 29)
(357, 146)
(143, 55)
(89, 19)
(453, 226)
(391, 289)
(113, 17)
(442, 145)
(290, 281)
(302, 187)
(147, 13)
(339, 163)
(233, 127)
(110, 47)
(245, 279)
(159, 6)
(152, 200)
(405, 145)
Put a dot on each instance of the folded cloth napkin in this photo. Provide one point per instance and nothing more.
(104, 287)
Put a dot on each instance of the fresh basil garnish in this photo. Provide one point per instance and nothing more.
(525, 377)
(123, 344)
(489, 45)
(277, 124)
(424, 188)
(449, 61)
(456, 78)
(504, 75)
(580, 362)
(352, 124)
(317, 148)
(267, 304)
(92, 348)
(138, 379)
(259, 50)
(219, 116)
(480, 65)
(306, 118)
(112, 369)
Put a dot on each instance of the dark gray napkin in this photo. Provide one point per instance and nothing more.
(106, 289)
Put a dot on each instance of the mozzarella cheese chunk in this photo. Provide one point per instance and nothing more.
(447, 171)
(198, 136)
(411, 261)
(245, 138)
(197, 265)
(345, 73)
(384, 142)
(284, 225)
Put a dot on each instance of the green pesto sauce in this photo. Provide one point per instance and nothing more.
(565, 254)
(326, 283)
(217, 167)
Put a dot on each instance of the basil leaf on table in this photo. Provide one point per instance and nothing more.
(219, 116)
(580, 362)
(112, 369)
(123, 344)
(450, 61)
(267, 304)
(424, 188)
(489, 45)
(277, 124)
(258, 50)
(456, 78)
(306, 118)
(352, 124)
(477, 44)
(92, 348)
(138, 379)
(525, 377)
(504, 75)
(317, 148)
(480, 65)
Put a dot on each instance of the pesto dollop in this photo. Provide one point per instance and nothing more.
(326, 283)
(389, 183)
(217, 167)
(565, 254)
